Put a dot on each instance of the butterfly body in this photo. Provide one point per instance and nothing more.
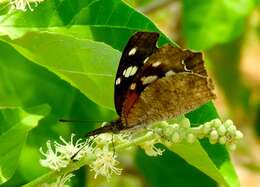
(155, 84)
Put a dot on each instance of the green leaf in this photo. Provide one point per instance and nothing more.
(13, 138)
(112, 22)
(171, 169)
(209, 22)
(85, 64)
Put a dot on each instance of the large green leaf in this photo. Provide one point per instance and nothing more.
(209, 22)
(13, 138)
(112, 22)
(87, 65)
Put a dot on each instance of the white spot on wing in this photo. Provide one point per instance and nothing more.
(148, 79)
(132, 51)
(133, 86)
(146, 59)
(130, 71)
(134, 70)
(118, 81)
(124, 72)
(169, 73)
(156, 64)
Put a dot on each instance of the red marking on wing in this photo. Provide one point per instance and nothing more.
(130, 101)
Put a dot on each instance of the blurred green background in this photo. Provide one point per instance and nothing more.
(227, 31)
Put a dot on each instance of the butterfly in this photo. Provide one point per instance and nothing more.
(154, 84)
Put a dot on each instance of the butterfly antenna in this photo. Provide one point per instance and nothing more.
(78, 121)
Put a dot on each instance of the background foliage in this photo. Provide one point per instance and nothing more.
(59, 61)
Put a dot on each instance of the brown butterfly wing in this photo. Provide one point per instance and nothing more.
(178, 85)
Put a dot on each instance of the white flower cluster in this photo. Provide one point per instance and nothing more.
(23, 4)
(103, 161)
(59, 155)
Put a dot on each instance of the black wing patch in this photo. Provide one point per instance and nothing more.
(140, 46)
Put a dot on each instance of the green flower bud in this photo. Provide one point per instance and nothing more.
(185, 122)
(191, 138)
(176, 137)
(228, 123)
(216, 123)
(232, 129)
(221, 130)
(239, 135)
(222, 140)
(213, 135)
(212, 141)
(168, 131)
(175, 126)
(206, 128)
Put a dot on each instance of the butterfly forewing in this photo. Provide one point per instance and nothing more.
(140, 46)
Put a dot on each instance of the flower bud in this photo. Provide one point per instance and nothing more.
(213, 137)
(213, 141)
(232, 129)
(228, 123)
(216, 123)
(175, 126)
(176, 137)
(191, 138)
(206, 128)
(168, 131)
(239, 135)
(221, 130)
(185, 122)
(222, 140)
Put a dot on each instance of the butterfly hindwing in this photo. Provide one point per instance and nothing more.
(168, 97)
(140, 46)
(170, 64)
